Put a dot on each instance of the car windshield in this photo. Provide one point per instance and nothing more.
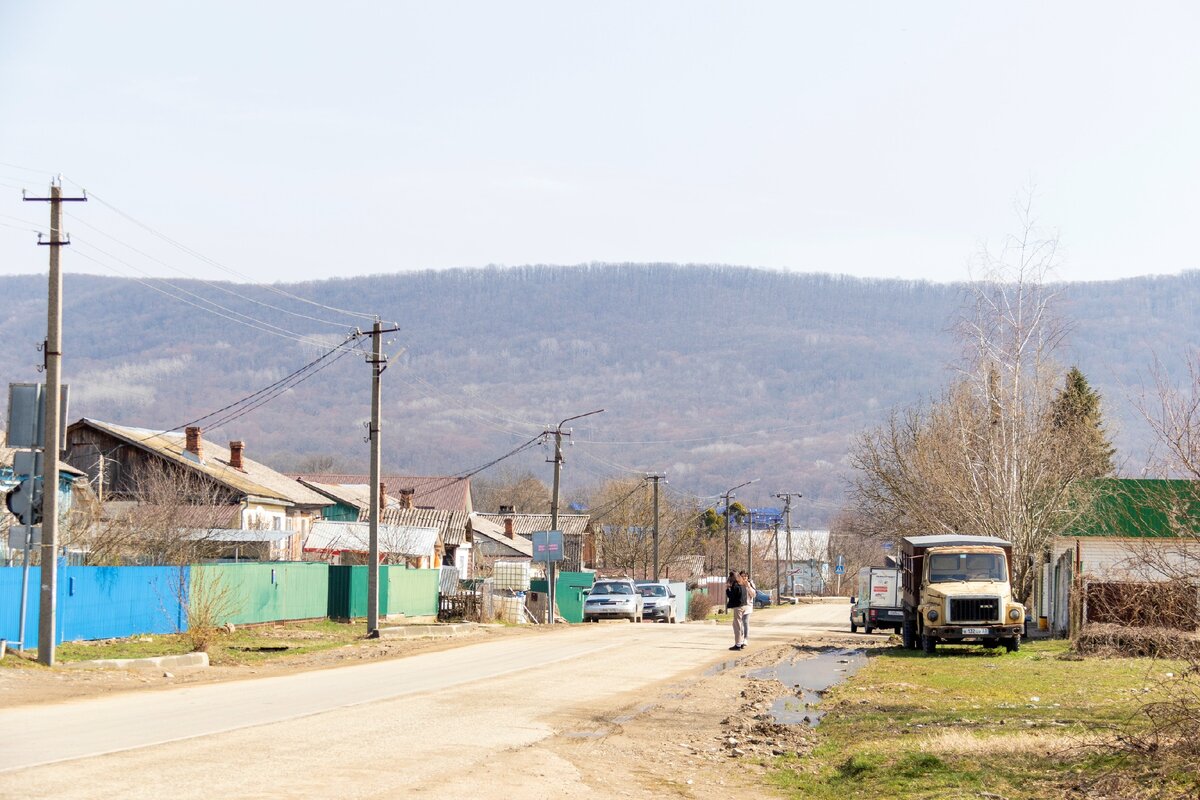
(653, 591)
(612, 588)
(947, 567)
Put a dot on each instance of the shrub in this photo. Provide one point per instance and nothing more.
(700, 606)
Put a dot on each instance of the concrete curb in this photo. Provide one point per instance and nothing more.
(186, 661)
(426, 631)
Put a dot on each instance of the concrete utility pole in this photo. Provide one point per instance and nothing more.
(750, 544)
(729, 493)
(378, 362)
(778, 577)
(787, 521)
(558, 461)
(655, 479)
(52, 443)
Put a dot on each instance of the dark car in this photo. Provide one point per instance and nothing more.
(762, 599)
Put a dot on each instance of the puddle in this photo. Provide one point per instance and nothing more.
(809, 677)
(717, 669)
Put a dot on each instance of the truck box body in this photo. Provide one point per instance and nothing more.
(912, 558)
(877, 602)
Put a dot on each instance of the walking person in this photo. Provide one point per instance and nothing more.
(735, 601)
(751, 594)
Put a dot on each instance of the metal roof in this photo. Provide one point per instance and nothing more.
(235, 535)
(481, 526)
(401, 540)
(529, 524)
(253, 479)
(445, 493)
(451, 525)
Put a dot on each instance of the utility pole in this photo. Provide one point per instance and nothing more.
(558, 462)
(729, 493)
(52, 442)
(778, 577)
(787, 521)
(378, 364)
(750, 544)
(656, 479)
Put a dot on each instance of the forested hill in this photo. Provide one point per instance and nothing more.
(714, 375)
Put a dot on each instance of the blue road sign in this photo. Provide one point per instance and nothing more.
(840, 569)
(547, 546)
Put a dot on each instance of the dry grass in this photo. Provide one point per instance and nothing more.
(958, 742)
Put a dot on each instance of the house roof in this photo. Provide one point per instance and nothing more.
(432, 491)
(236, 535)
(481, 526)
(182, 515)
(451, 525)
(1139, 507)
(355, 495)
(254, 479)
(402, 540)
(529, 524)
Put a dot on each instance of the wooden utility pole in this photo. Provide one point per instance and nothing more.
(52, 441)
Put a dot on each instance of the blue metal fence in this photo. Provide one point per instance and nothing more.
(97, 602)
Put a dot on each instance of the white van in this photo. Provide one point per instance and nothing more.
(877, 604)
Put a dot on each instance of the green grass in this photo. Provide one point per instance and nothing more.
(239, 647)
(968, 721)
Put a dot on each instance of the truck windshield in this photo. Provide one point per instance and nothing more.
(945, 567)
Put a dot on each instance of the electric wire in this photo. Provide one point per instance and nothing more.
(218, 287)
(213, 262)
(462, 476)
(258, 325)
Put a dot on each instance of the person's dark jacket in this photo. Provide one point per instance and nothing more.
(735, 596)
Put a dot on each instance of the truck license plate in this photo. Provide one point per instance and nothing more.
(976, 631)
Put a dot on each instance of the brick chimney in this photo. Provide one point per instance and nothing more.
(508, 531)
(194, 445)
(235, 454)
(406, 498)
(382, 495)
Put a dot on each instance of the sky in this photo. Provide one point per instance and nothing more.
(300, 140)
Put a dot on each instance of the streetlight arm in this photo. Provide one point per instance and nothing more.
(579, 416)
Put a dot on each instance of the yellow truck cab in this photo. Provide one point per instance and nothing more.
(956, 590)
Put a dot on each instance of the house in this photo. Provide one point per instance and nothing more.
(190, 479)
(578, 547)
(492, 542)
(1137, 533)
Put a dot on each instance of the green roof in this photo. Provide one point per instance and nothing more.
(1139, 507)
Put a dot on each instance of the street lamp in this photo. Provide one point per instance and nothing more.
(728, 494)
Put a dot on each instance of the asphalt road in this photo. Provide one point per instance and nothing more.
(428, 725)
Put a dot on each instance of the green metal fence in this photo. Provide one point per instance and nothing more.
(348, 591)
(262, 592)
(411, 592)
(569, 588)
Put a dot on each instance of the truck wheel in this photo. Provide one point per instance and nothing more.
(908, 637)
(867, 630)
(853, 626)
(1012, 645)
(928, 645)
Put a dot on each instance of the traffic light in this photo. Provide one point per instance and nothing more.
(25, 501)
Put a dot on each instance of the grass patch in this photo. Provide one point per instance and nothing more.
(248, 645)
(968, 721)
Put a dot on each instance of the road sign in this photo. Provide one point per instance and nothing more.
(840, 569)
(547, 546)
(16, 537)
(887, 547)
(27, 415)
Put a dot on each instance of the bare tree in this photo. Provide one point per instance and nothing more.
(524, 491)
(987, 457)
(622, 513)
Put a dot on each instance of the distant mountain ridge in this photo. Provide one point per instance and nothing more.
(712, 374)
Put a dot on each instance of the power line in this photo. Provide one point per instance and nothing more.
(214, 263)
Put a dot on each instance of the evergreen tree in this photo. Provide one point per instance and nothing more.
(1076, 413)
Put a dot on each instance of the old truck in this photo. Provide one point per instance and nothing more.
(956, 590)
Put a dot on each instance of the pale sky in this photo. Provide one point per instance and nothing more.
(301, 140)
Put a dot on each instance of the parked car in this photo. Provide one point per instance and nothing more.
(613, 598)
(762, 599)
(658, 602)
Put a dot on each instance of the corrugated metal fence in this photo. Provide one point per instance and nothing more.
(114, 602)
(98, 602)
